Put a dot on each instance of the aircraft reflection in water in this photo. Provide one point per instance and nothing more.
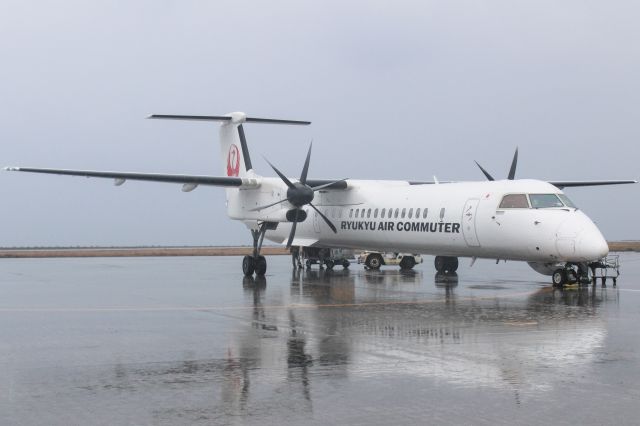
(377, 323)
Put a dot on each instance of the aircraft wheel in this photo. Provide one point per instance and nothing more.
(558, 277)
(260, 265)
(407, 262)
(452, 264)
(329, 264)
(445, 264)
(374, 261)
(248, 265)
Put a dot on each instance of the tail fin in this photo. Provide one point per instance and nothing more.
(235, 157)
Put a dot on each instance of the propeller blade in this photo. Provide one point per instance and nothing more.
(514, 163)
(279, 173)
(245, 148)
(317, 188)
(268, 205)
(486, 173)
(305, 169)
(326, 219)
(292, 234)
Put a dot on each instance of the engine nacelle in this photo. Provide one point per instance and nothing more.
(291, 215)
(544, 268)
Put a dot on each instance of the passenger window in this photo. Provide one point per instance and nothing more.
(514, 201)
(350, 213)
(424, 213)
(397, 213)
(410, 213)
(375, 214)
(418, 213)
(403, 213)
(382, 213)
(362, 213)
(357, 210)
(442, 213)
(368, 213)
(543, 201)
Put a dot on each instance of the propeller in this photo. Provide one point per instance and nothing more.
(512, 170)
(299, 194)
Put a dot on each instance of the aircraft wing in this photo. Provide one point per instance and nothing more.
(121, 177)
(573, 183)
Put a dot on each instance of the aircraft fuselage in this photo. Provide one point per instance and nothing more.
(450, 219)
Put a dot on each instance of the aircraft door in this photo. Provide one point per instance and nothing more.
(469, 222)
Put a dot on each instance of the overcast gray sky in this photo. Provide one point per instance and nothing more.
(395, 90)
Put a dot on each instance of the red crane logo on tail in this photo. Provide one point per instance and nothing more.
(233, 161)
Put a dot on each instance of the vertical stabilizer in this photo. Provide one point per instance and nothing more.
(234, 151)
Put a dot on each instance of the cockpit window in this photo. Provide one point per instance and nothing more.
(514, 201)
(567, 202)
(544, 201)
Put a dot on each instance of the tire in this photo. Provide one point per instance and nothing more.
(452, 264)
(374, 261)
(260, 265)
(248, 266)
(445, 264)
(407, 262)
(329, 264)
(345, 264)
(558, 278)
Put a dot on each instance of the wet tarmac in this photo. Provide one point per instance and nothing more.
(166, 341)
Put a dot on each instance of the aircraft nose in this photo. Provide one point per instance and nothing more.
(591, 245)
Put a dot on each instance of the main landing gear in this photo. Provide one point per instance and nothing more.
(256, 263)
(446, 264)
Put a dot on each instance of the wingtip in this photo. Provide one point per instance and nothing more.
(11, 169)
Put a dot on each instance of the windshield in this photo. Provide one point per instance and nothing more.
(543, 201)
(514, 201)
(567, 202)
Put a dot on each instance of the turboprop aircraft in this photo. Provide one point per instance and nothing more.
(513, 219)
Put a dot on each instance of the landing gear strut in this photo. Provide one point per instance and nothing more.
(256, 263)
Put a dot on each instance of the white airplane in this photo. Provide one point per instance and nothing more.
(513, 219)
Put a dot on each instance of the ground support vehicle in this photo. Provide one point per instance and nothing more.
(325, 257)
(374, 260)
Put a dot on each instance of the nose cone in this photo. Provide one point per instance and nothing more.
(578, 239)
(591, 245)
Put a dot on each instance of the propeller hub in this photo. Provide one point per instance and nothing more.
(300, 194)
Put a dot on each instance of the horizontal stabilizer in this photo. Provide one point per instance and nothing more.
(227, 118)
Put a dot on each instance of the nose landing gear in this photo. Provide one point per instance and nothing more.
(571, 274)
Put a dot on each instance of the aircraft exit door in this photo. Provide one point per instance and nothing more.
(469, 222)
